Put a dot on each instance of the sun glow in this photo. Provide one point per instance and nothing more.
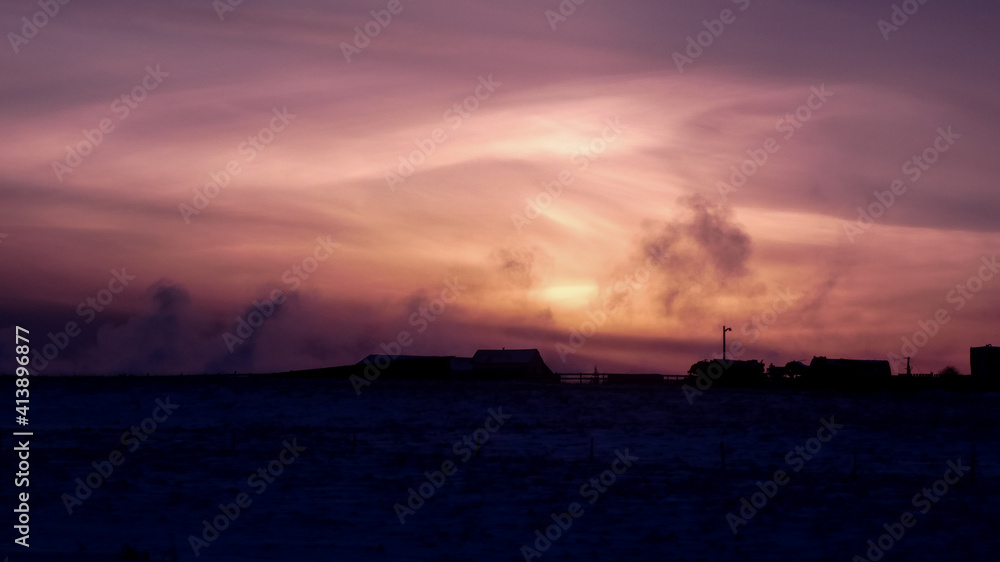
(578, 295)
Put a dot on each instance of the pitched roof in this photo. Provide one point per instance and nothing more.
(506, 356)
(856, 366)
(850, 362)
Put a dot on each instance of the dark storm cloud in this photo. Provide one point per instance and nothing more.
(704, 250)
(726, 244)
(514, 264)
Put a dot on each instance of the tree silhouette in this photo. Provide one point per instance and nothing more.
(949, 371)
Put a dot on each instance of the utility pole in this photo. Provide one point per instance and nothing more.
(724, 330)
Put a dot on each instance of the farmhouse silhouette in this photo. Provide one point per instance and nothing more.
(529, 366)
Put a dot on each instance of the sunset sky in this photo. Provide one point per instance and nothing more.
(374, 179)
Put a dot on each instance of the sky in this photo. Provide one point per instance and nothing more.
(192, 187)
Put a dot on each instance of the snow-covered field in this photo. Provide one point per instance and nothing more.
(335, 500)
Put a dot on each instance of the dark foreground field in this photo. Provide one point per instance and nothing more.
(334, 465)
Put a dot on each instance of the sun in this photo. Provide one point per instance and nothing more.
(569, 295)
